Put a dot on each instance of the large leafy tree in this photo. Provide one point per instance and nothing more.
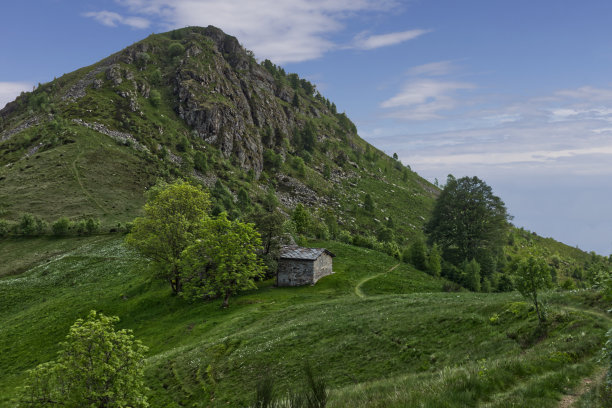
(174, 216)
(531, 276)
(468, 219)
(223, 260)
(96, 367)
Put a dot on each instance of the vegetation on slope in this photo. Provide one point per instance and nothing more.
(201, 355)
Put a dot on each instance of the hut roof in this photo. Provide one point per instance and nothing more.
(298, 252)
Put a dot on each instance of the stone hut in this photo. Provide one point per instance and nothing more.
(303, 266)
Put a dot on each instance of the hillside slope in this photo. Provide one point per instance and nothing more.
(381, 348)
(193, 103)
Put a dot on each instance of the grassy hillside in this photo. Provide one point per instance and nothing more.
(381, 334)
(194, 104)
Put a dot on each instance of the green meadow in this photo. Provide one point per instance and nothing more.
(380, 333)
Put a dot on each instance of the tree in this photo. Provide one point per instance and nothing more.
(223, 261)
(295, 102)
(301, 218)
(434, 262)
(532, 274)
(467, 219)
(174, 214)
(471, 272)
(96, 367)
(418, 255)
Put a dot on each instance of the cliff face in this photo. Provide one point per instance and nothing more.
(228, 99)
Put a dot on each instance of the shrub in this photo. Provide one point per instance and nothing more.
(199, 162)
(345, 236)
(80, 227)
(472, 275)
(31, 225)
(155, 77)
(142, 59)
(175, 49)
(155, 98)
(61, 226)
(92, 226)
(298, 164)
(5, 228)
(418, 255)
(272, 161)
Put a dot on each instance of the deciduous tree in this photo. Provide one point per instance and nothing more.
(223, 261)
(174, 214)
(96, 367)
(467, 219)
(532, 275)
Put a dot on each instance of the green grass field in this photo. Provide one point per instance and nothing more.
(381, 334)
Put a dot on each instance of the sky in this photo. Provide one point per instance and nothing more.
(518, 93)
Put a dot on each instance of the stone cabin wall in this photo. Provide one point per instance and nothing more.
(322, 267)
(295, 272)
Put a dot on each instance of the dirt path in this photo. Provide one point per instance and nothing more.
(585, 386)
(78, 179)
(358, 290)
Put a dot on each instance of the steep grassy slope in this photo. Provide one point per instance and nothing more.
(463, 347)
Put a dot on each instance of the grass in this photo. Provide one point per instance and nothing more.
(414, 346)
(92, 177)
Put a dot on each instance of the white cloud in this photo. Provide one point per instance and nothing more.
(383, 40)
(283, 31)
(111, 19)
(10, 90)
(424, 99)
(432, 69)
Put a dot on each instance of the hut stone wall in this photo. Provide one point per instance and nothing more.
(295, 272)
(322, 267)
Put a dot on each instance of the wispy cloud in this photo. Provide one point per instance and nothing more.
(383, 40)
(432, 69)
(10, 90)
(284, 31)
(564, 133)
(424, 99)
(112, 19)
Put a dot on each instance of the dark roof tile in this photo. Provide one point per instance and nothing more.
(297, 252)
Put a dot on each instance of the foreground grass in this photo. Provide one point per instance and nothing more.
(404, 344)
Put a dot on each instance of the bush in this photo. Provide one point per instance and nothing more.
(5, 228)
(418, 255)
(61, 226)
(175, 49)
(345, 236)
(31, 225)
(155, 98)
(298, 164)
(271, 160)
(92, 226)
(80, 227)
(156, 77)
(199, 162)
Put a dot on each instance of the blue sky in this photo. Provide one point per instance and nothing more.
(516, 92)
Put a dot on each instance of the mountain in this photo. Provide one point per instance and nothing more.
(193, 103)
